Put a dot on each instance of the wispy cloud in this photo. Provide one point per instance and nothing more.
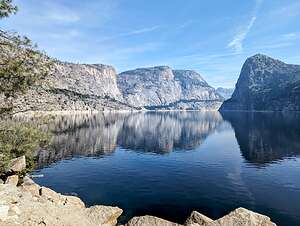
(238, 39)
(278, 42)
(139, 49)
(291, 36)
(237, 42)
(67, 35)
(60, 13)
(131, 33)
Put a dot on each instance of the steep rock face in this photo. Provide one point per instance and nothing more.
(149, 86)
(94, 79)
(74, 87)
(266, 84)
(163, 88)
(225, 92)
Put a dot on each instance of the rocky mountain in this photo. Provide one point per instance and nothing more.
(74, 87)
(163, 88)
(98, 87)
(225, 92)
(266, 84)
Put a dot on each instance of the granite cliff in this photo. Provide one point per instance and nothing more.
(163, 88)
(98, 87)
(266, 84)
(74, 87)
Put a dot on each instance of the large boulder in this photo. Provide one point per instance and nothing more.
(13, 180)
(29, 186)
(103, 215)
(197, 219)
(243, 217)
(19, 206)
(150, 221)
(17, 164)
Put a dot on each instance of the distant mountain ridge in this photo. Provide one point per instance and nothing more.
(83, 87)
(163, 88)
(266, 84)
(225, 92)
(74, 87)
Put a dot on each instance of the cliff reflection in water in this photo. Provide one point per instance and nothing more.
(266, 137)
(100, 134)
(262, 137)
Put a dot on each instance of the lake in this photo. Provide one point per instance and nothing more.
(168, 164)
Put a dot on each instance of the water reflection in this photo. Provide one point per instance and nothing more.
(266, 137)
(263, 138)
(213, 179)
(100, 134)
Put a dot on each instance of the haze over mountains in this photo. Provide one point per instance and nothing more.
(225, 92)
(264, 84)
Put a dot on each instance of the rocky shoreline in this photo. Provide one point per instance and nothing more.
(23, 202)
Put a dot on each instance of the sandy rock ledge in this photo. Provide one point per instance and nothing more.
(30, 205)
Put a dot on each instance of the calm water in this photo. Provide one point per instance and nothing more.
(168, 164)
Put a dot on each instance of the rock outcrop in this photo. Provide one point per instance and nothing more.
(74, 87)
(237, 217)
(17, 164)
(196, 219)
(30, 205)
(150, 221)
(266, 84)
(163, 88)
(97, 87)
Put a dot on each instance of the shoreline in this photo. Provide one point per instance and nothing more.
(32, 204)
(74, 112)
(24, 202)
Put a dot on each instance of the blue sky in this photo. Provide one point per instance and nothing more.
(212, 37)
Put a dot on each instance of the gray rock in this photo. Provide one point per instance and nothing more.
(13, 180)
(29, 186)
(243, 217)
(74, 87)
(149, 221)
(103, 215)
(20, 207)
(3, 212)
(1, 181)
(225, 92)
(197, 219)
(163, 88)
(266, 84)
(17, 164)
(51, 195)
(86, 87)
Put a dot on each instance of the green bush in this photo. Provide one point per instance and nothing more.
(17, 139)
